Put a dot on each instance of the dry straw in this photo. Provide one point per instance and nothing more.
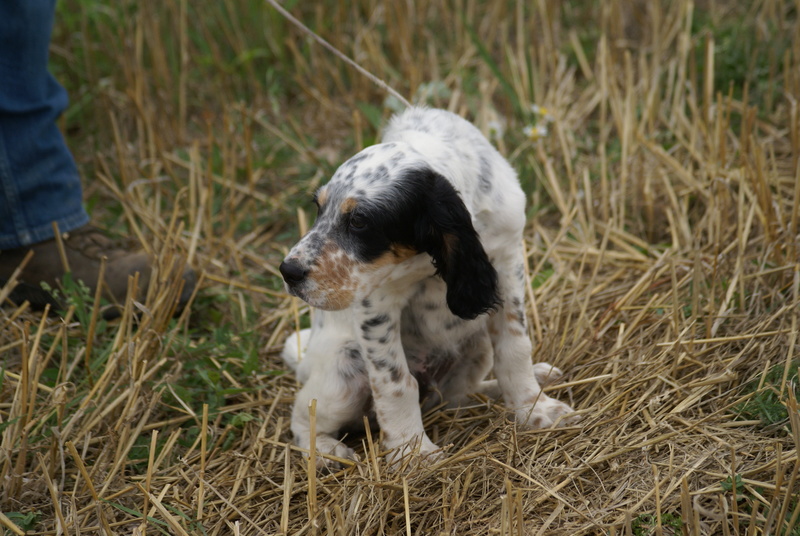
(662, 253)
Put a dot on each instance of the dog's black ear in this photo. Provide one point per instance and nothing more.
(444, 230)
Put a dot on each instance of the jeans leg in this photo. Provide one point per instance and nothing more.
(39, 181)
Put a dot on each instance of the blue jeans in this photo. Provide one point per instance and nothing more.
(39, 181)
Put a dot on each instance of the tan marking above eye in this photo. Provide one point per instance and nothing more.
(348, 205)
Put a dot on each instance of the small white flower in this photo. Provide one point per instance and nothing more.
(535, 132)
(542, 112)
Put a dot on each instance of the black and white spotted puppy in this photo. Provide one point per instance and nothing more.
(415, 263)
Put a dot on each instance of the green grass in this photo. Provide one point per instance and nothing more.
(646, 524)
(767, 400)
(26, 521)
(747, 57)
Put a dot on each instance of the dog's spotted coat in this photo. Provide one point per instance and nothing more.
(415, 263)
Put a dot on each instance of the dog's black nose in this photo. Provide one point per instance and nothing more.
(293, 272)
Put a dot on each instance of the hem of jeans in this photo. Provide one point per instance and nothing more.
(43, 233)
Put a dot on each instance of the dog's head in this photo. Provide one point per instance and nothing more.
(382, 208)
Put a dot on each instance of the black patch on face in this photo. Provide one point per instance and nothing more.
(424, 212)
(386, 216)
(381, 223)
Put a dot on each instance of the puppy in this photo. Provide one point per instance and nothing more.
(416, 269)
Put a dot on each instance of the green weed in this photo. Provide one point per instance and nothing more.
(645, 524)
(766, 403)
(27, 522)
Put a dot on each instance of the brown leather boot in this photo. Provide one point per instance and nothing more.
(83, 248)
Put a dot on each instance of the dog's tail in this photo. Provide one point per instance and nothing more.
(295, 348)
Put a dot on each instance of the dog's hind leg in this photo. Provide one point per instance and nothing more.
(515, 372)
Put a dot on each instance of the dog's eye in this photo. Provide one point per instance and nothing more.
(357, 222)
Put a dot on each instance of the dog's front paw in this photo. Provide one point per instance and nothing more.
(544, 412)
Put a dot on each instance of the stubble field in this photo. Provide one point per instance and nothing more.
(658, 143)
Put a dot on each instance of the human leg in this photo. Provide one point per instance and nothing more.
(39, 181)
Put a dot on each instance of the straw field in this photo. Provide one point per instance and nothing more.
(658, 142)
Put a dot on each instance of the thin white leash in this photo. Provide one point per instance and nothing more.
(377, 81)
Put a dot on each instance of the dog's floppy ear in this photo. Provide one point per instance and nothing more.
(444, 230)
